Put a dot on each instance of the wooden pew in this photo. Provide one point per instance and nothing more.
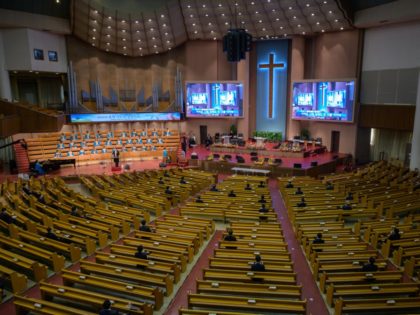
(71, 278)
(243, 303)
(24, 305)
(385, 306)
(249, 276)
(17, 281)
(249, 289)
(184, 311)
(128, 275)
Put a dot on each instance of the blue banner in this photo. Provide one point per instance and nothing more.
(117, 117)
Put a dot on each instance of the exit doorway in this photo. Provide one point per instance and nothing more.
(335, 141)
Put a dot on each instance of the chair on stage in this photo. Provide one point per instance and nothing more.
(217, 137)
(227, 157)
(253, 154)
(216, 156)
(241, 142)
(240, 159)
(254, 158)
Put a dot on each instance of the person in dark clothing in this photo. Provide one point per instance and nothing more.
(166, 174)
(231, 194)
(394, 235)
(318, 239)
(161, 181)
(289, 184)
(261, 185)
(299, 191)
(106, 309)
(230, 237)
(329, 186)
(199, 200)
(248, 187)
(349, 196)
(214, 188)
(168, 190)
(75, 212)
(140, 253)
(347, 205)
(182, 180)
(27, 190)
(263, 209)
(4, 216)
(370, 266)
(50, 234)
(41, 199)
(262, 199)
(258, 265)
(144, 227)
(302, 203)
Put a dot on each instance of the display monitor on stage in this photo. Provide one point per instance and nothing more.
(323, 100)
(214, 99)
(117, 117)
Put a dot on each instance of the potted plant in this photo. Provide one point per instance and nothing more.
(304, 134)
(233, 129)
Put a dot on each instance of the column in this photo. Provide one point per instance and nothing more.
(415, 143)
(5, 89)
(243, 76)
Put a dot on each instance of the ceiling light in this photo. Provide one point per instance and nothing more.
(109, 27)
(125, 54)
(93, 38)
(220, 5)
(164, 25)
(325, 2)
(150, 20)
(166, 34)
(137, 22)
(299, 25)
(123, 39)
(168, 41)
(154, 46)
(209, 23)
(162, 16)
(252, 2)
(94, 21)
(303, 33)
(274, 10)
(124, 47)
(140, 48)
(93, 44)
(263, 29)
(336, 20)
(256, 12)
(204, 5)
(341, 28)
(290, 8)
(277, 19)
(322, 31)
(123, 21)
(108, 35)
(317, 23)
(214, 38)
(151, 29)
(294, 16)
(123, 31)
(330, 12)
(137, 31)
(108, 44)
(95, 11)
(153, 38)
(188, 6)
(312, 14)
(109, 17)
(107, 49)
(93, 29)
(191, 15)
(222, 14)
(307, 4)
(260, 21)
(195, 32)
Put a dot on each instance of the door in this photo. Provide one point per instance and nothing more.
(335, 141)
(203, 134)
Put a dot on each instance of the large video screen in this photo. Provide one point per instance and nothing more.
(214, 99)
(323, 100)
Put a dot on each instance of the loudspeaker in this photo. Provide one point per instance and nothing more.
(314, 163)
(297, 165)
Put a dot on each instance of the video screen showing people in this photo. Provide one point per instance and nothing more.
(327, 101)
(214, 99)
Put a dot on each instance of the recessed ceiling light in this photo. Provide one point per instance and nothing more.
(94, 21)
(317, 23)
(123, 21)
(137, 22)
(299, 25)
(164, 25)
(336, 20)
(139, 40)
(151, 29)
(222, 14)
(330, 12)
(166, 34)
(220, 4)
(108, 44)
(150, 20)
(341, 28)
(107, 49)
(153, 38)
(277, 19)
(154, 46)
(109, 17)
(140, 48)
(252, 2)
(123, 39)
(290, 8)
(322, 31)
(209, 23)
(312, 14)
(281, 27)
(188, 6)
(95, 11)
(195, 32)
(93, 38)
(125, 54)
(260, 21)
(109, 27)
(256, 12)
(274, 10)
(325, 2)
(123, 31)
(204, 5)
(308, 5)
(168, 41)
(294, 16)
(124, 47)
(93, 44)
(303, 33)
(162, 16)
(93, 29)
(169, 48)
(137, 31)
(214, 38)
(107, 35)
(263, 29)
(191, 15)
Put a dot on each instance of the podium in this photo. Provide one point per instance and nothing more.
(260, 141)
(226, 139)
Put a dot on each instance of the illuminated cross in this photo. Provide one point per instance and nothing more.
(271, 66)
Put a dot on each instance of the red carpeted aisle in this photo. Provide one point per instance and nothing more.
(310, 291)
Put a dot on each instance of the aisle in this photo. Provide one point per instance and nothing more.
(310, 291)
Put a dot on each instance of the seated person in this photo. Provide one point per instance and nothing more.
(133, 133)
(41, 199)
(98, 135)
(129, 141)
(60, 145)
(299, 191)
(123, 134)
(96, 143)
(263, 209)
(262, 199)
(161, 181)
(349, 196)
(154, 148)
(140, 253)
(160, 141)
(93, 151)
(75, 212)
(329, 186)
(72, 145)
(50, 234)
(27, 190)
(119, 142)
(261, 185)
(81, 152)
(144, 227)
(135, 141)
(57, 154)
(110, 134)
(347, 205)
(167, 132)
(62, 137)
(75, 136)
(149, 141)
(182, 180)
(370, 266)
(123, 149)
(106, 309)
(154, 133)
(133, 148)
(108, 142)
(214, 188)
(395, 234)
(231, 194)
(82, 144)
(140, 141)
(289, 184)
(166, 174)
(302, 203)
(199, 200)
(4, 216)
(258, 265)
(230, 237)
(144, 148)
(168, 190)
(143, 133)
(70, 153)
(248, 187)
(318, 239)
(87, 135)
(103, 150)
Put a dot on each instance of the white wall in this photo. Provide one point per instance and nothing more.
(19, 44)
(395, 46)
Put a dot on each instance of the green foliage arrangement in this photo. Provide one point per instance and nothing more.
(269, 135)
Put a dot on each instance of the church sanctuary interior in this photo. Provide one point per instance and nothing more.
(209, 157)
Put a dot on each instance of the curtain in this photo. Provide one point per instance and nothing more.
(389, 144)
